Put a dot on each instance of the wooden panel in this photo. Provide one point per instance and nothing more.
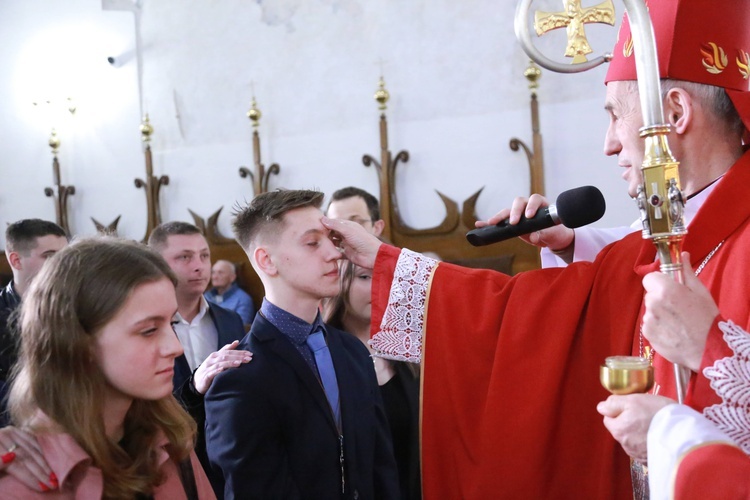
(6, 275)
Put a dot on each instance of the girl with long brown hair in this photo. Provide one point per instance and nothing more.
(94, 381)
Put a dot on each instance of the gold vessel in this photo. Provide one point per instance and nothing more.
(626, 374)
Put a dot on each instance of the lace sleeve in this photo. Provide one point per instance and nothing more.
(730, 378)
(401, 330)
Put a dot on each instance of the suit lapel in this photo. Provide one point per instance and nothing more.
(277, 342)
(223, 330)
(182, 371)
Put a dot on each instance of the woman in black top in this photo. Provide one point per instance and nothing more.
(398, 381)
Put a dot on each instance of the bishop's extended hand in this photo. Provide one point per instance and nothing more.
(359, 245)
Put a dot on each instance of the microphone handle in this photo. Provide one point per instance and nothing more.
(504, 231)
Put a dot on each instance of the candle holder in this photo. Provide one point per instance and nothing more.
(626, 375)
(535, 154)
(59, 192)
(261, 175)
(152, 185)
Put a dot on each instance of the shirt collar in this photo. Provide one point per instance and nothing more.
(695, 200)
(297, 329)
(202, 309)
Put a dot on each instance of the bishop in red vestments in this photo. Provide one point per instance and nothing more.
(510, 364)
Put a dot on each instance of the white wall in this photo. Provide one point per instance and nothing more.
(454, 71)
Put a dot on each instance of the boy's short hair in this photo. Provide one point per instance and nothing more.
(373, 207)
(21, 236)
(158, 238)
(267, 211)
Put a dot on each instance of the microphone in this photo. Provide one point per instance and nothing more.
(573, 208)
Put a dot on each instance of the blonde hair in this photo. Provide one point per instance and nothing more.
(78, 292)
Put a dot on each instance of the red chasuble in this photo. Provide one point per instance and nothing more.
(511, 364)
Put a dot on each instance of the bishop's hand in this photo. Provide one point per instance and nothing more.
(628, 417)
(358, 245)
(556, 238)
(678, 317)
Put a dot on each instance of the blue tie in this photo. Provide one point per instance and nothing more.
(317, 343)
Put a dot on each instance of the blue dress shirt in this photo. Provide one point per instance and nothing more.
(235, 299)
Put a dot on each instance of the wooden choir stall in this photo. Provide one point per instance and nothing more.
(448, 239)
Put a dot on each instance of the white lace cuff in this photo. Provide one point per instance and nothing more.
(402, 327)
(730, 378)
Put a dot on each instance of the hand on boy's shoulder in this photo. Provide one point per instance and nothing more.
(226, 358)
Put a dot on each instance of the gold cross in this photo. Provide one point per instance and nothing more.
(573, 18)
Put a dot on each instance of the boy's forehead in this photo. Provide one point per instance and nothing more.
(303, 220)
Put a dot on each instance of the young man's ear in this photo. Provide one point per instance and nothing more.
(378, 226)
(678, 109)
(264, 262)
(14, 259)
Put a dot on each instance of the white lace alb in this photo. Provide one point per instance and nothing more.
(730, 378)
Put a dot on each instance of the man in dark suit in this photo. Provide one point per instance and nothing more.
(208, 333)
(28, 245)
(305, 418)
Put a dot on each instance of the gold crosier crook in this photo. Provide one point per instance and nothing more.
(660, 199)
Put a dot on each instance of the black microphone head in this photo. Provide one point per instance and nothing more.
(580, 206)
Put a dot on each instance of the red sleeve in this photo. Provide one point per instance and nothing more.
(713, 471)
(382, 276)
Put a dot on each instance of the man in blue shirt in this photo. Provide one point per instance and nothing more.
(227, 294)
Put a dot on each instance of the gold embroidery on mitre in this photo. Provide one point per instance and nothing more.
(627, 48)
(714, 58)
(743, 63)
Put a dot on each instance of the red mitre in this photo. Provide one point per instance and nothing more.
(697, 41)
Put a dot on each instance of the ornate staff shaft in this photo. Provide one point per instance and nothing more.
(659, 197)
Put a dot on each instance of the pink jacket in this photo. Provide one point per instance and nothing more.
(80, 480)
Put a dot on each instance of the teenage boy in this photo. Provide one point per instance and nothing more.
(305, 418)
